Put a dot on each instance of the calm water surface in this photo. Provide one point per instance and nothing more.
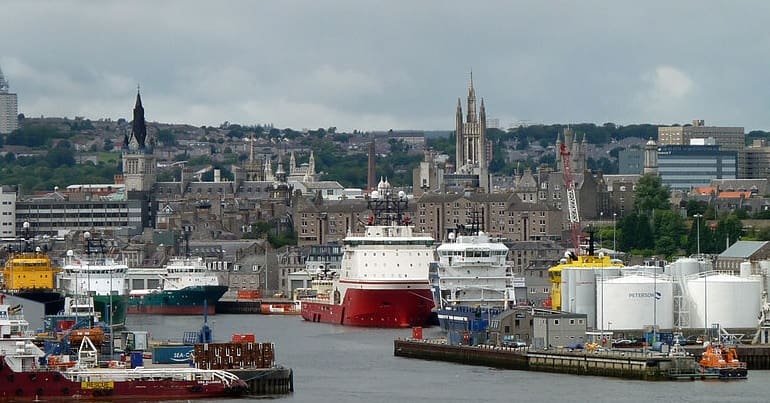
(344, 364)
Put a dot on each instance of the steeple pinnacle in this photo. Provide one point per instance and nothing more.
(471, 117)
(139, 126)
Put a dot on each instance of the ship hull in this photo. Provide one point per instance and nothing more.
(45, 385)
(187, 301)
(466, 325)
(119, 304)
(382, 308)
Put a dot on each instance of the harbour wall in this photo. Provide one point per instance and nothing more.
(264, 382)
(241, 305)
(614, 364)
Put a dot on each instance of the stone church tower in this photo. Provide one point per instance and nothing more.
(471, 153)
(139, 167)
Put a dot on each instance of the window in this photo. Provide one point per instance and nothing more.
(556, 322)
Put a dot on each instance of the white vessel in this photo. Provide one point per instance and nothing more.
(474, 283)
(473, 272)
(96, 274)
(186, 286)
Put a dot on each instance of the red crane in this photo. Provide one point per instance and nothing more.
(572, 207)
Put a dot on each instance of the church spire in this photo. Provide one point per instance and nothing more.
(139, 126)
(471, 118)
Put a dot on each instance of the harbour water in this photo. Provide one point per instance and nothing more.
(346, 364)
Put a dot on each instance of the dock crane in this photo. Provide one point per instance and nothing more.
(572, 207)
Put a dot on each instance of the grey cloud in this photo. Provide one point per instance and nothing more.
(394, 64)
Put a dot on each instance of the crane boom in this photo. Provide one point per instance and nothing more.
(572, 207)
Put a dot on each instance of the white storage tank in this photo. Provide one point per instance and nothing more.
(630, 303)
(578, 292)
(684, 267)
(745, 269)
(732, 302)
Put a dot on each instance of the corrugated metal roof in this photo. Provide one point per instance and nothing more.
(743, 249)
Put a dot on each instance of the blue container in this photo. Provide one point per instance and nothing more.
(172, 354)
(136, 359)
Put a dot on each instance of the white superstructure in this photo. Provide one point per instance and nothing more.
(183, 272)
(93, 272)
(473, 271)
(388, 254)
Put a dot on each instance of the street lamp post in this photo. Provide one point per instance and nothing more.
(601, 225)
(614, 251)
(697, 218)
(705, 287)
(655, 300)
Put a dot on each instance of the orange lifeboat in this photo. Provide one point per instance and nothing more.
(95, 334)
(724, 361)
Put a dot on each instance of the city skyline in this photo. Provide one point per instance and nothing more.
(390, 65)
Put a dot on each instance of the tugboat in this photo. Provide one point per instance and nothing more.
(723, 360)
(26, 377)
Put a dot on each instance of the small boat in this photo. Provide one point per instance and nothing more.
(281, 308)
(723, 360)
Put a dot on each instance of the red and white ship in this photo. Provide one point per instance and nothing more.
(383, 280)
(26, 377)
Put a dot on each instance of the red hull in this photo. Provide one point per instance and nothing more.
(384, 308)
(51, 385)
(169, 310)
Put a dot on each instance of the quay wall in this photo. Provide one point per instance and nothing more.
(267, 381)
(614, 364)
(507, 358)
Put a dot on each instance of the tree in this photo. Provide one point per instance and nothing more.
(651, 195)
(635, 232)
(166, 138)
(668, 232)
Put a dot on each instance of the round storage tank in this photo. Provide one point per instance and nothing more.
(578, 292)
(745, 269)
(629, 303)
(684, 267)
(732, 302)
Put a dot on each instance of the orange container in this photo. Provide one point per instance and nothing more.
(243, 338)
(249, 294)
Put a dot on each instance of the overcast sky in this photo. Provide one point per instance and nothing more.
(373, 65)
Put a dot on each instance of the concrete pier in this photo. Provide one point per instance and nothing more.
(630, 365)
(265, 382)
